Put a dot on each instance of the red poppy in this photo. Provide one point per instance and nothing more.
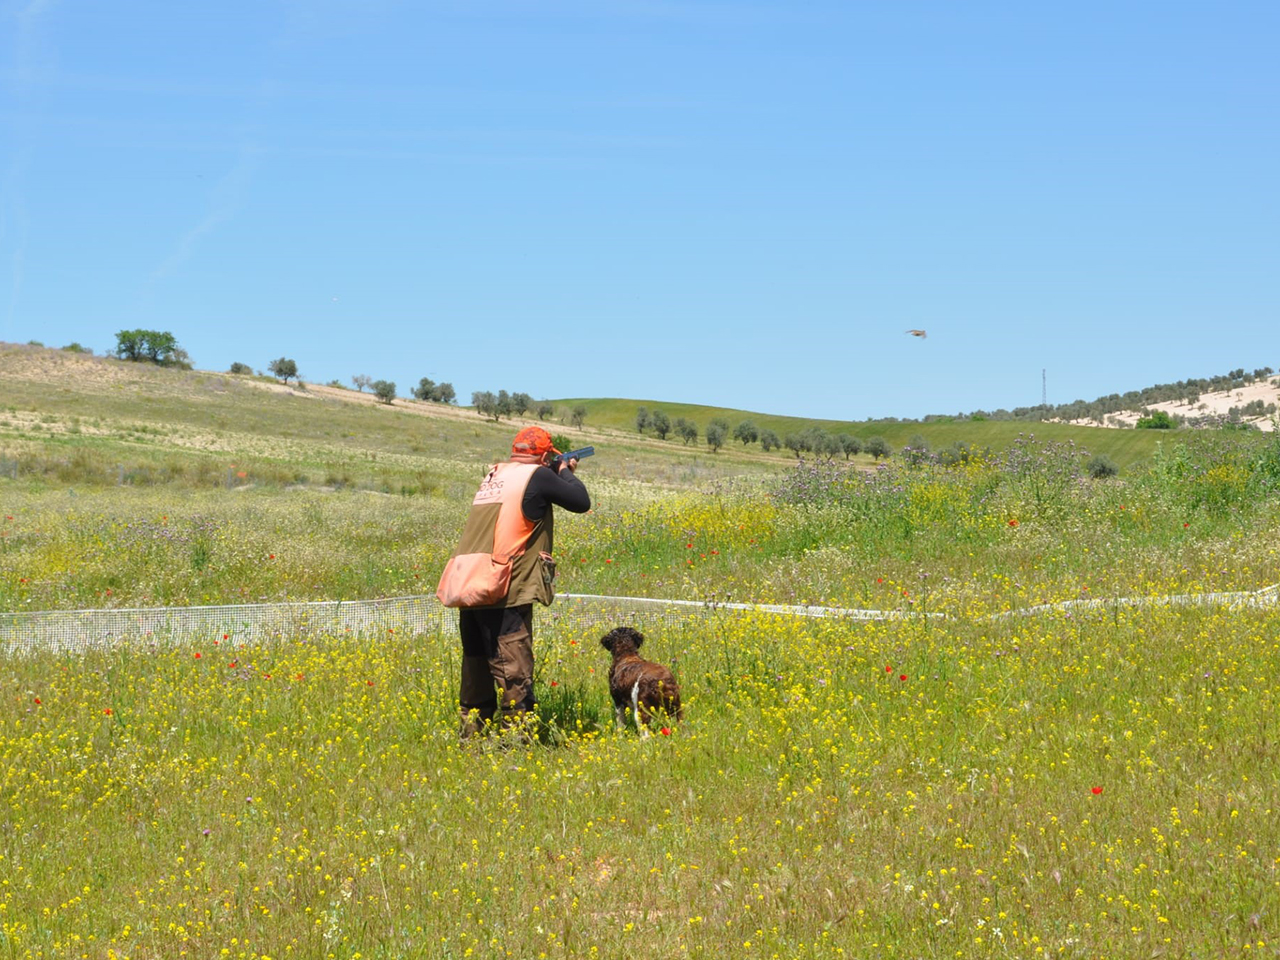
(879, 579)
(1185, 525)
(226, 636)
(1013, 522)
(37, 701)
(902, 676)
(271, 556)
(688, 546)
(1096, 790)
(368, 683)
(665, 731)
(555, 683)
(610, 560)
(107, 711)
(198, 654)
(888, 668)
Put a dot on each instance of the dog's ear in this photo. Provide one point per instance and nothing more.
(607, 640)
(636, 636)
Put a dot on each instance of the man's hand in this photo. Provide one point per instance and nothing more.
(571, 464)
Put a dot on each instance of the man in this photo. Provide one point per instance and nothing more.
(501, 566)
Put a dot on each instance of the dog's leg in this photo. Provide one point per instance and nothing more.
(619, 716)
(641, 728)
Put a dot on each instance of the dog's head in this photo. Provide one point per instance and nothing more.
(621, 641)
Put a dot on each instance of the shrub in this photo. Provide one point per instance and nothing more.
(1155, 420)
(578, 415)
(769, 441)
(361, 380)
(1100, 466)
(425, 390)
(545, 409)
(642, 419)
(384, 390)
(849, 445)
(74, 347)
(660, 423)
(686, 430)
(241, 368)
(746, 432)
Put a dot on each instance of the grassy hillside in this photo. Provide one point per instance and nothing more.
(94, 419)
(1125, 447)
(83, 419)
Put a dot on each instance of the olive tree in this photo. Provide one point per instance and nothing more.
(878, 447)
(485, 403)
(715, 435)
(283, 368)
(746, 432)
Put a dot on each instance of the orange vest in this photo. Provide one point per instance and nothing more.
(495, 535)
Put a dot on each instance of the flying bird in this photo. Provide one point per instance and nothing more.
(918, 333)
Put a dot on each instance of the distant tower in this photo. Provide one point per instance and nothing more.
(1044, 388)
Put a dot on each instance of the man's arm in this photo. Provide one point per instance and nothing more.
(563, 489)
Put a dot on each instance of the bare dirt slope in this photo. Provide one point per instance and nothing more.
(1209, 404)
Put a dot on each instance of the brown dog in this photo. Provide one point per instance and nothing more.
(648, 688)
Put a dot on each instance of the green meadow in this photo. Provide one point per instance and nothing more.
(984, 781)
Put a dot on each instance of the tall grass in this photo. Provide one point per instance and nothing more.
(1083, 786)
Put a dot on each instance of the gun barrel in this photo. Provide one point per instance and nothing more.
(577, 454)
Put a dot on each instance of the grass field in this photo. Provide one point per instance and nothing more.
(1088, 783)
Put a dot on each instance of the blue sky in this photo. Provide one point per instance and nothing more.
(743, 204)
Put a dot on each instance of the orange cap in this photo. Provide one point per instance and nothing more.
(533, 441)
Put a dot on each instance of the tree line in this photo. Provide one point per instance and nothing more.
(517, 404)
(1185, 392)
(717, 432)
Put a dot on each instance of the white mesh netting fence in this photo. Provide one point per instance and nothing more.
(72, 630)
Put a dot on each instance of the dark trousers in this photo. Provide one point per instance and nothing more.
(497, 664)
